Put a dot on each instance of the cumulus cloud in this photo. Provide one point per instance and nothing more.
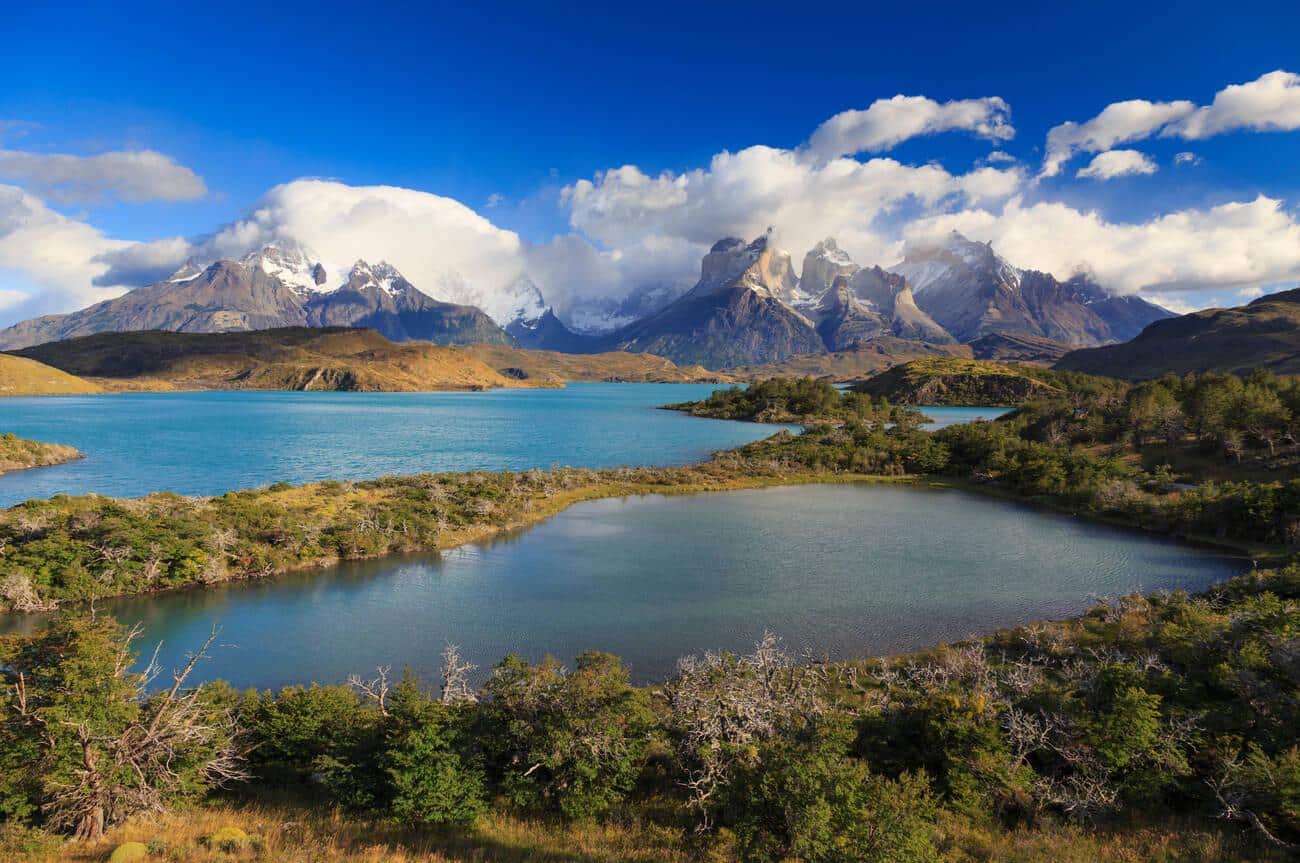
(1117, 163)
(1270, 103)
(129, 175)
(1232, 245)
(50, 258)
(1186, 159)
(886, 123)
(1119, 123)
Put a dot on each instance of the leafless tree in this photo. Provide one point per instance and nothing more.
(456, 687)
(724, 706)
(376, 688)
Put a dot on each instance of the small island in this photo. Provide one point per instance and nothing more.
(20, 454)
(808, 401)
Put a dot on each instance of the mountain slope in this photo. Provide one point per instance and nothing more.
(1265, 333)
(20, 376)
(277, 286)
(972, 292)
(298, 358)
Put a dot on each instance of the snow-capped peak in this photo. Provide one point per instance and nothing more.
(291, 263)
(382, 276)
(925, 265)
(830, 251)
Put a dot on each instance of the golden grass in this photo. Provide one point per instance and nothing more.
(20, 376)
(555, 368)
(289, 832)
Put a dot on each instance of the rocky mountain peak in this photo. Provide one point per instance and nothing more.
(824, 264)
(288, 261)
(732, 263)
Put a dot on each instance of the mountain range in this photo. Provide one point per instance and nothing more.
(749, 306)
(277, 286)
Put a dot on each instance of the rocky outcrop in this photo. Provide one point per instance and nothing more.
(823, 264)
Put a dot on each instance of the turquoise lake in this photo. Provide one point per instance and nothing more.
(212, 442)
(842, 570)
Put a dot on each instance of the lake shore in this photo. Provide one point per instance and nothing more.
(19, 454)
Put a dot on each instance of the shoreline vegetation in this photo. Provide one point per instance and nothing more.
(21, 454)
(1067, 452)
(1158, 727)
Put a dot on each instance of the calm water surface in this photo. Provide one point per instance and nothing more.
(212, 442)
(848, 570)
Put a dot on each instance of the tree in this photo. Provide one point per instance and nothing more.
(431, 783)
(806, 797)
(570, 742)
(87, 745)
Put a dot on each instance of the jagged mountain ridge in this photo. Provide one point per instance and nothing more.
(749, 306)
(971, 291)
(277, 286)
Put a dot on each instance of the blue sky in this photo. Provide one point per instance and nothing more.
(502, 106)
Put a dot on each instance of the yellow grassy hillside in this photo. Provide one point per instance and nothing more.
(20, 376)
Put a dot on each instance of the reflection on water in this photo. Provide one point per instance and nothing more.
(845, 570)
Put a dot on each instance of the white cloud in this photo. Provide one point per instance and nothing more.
(1119, 123)
(1186, 159)
(1270, 103)
(129, 175)
(1117, 163)
(47, 261)
(999, 157)
(1232, 245)
(742, 193)
(888, 122)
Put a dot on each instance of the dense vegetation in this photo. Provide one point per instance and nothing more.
(1146, 707)
(795, 400)
(20, 454)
